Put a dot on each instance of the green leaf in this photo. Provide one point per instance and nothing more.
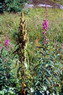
(1, 92)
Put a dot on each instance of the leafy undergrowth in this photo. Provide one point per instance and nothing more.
(50, 57)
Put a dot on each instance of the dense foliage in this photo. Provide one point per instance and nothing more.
(11, 5)
(47, 70)
(8, 80)
(1, 6)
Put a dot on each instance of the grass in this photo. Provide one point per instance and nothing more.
(9, 24)
(58, 1)
(35, 18)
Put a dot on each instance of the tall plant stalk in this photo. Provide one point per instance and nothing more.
(22, 46)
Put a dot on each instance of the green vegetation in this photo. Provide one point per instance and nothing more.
(55, 35)
(11, 5)
(40, 59)
(58, 1)
(8, 74)
(34, 21)
(9, 24)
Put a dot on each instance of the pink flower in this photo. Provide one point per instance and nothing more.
(45, 25)
(0, 47)
(7, 43)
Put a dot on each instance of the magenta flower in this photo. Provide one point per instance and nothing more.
(45, 25)
(7, 43)
(0, 47)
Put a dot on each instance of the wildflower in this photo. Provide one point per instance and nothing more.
(45, 25)
(7, 43)
(0, 47)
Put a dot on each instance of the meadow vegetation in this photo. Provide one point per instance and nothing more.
(47, 58)
(9, 24)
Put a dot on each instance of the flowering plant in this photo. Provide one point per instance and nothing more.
(7, 77)
(46, 68)
(45, 25)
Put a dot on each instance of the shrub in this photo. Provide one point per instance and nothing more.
(11, 5)
(14, 5)
(1, 6)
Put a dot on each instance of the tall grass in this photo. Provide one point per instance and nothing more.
(9, 24)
